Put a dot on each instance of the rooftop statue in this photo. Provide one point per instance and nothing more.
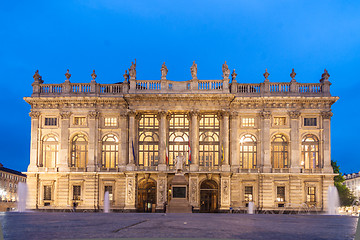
(132, 70)
(164, 71)
(37, 77)
(193, 70)
(226, 71)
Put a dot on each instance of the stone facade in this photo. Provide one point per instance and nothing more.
(9, 182)
(352, 181)
(268, 143)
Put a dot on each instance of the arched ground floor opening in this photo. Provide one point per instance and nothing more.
(209, 195)
(146, 197)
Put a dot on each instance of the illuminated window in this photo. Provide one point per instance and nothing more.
(248, 197)
(248, 122)
(80, 121)
(311, 195)
(110, 191)
(248, 148)
(280, 194)
(47, 193)
(148, 140)
(309, 121)
(310, 152)
(110, 152)
(279, 151)
(279, 121)
(110, 122)
(178, 137)
(209, 145)
(50, 148)
(76, 192)
(50, 121)
(79, 151)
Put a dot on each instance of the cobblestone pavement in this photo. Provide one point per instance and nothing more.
(40, 226)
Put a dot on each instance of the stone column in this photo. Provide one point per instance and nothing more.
(130, 189)
(132, 141)
(194, 191)
(295, 156)
(161, 192)
(225, 141)
(65, 146)
(194, 140)
(162, 140)
(225, 192)
(34, 148)
(265, 141)
(123, 125)
(326, 137)
(93, 140)
(234, 142)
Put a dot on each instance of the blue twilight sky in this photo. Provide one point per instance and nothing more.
(107, 35)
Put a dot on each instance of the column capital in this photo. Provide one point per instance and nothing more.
(234, 114)
(65, 115)
(93, 114)
(265, 114)
(195, 113)
(294, 114)
(130, 113)
(223, 113)
(34, 114)
(161, 114)
(326, 114)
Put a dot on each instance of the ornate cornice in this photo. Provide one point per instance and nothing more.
(65, 115)
(294, 114)
(93, 114)
(265, 114)
(34, 114)
(326, 115)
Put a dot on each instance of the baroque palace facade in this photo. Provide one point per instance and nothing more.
(266, 143)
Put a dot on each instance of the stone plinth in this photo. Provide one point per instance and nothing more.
(179, 202)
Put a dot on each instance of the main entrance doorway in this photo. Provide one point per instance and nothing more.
(209, 196)
(146, 196)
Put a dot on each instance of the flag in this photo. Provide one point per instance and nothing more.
(222, 154)
(133, 150)
(167, 154)
(189, 153)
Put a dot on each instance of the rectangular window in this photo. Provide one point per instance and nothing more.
(248, 194)
(50, 121)
(279, 121)
(76, 192)
(110, 122)
(80, 121)
(280, 194)
(109, 189)
(47, 193)
(248, 122)
(311, 198)
(309, 121)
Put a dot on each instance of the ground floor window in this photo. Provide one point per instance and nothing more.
(311, 195)
(76, 192)
(47, 193)
(280, 194)
(248, 197)
(110, 191)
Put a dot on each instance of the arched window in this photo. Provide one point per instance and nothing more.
(79, 151)
(248, 151)
(148, 141)
(310, 152)
(178, 137)
(110, 151)
(50, 148)
(279, 152)
(209, 144)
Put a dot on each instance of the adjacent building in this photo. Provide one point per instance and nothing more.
(267, 143)
(352, 181)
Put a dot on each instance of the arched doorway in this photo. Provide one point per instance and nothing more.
(146, 196)
(209, 196)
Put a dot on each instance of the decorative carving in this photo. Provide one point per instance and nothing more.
(294, 114)
(325, 75)
(265, 114)
(326, 115)
(34, 114)
(193, 70)
(226, 71)
(193, 190)
(225, 184)
(37, 77)
(164, 71)
(233, 76)
(67, 75)
(126, 76)
(266, 75)
(292, 75)
(132, 70)
(161, 114)
(161, 191)
(93, 114)
(93, 76)
(130, 190)
(65, 115)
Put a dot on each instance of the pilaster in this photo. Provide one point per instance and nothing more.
(194, 191)
(34, 141)
(326, 119)
(64, 153)
(295, 142)
(93, 140)
(265, 141)
(161, 191)
(132, 138)
(123, 125)
(234, 141)
(130, 189)
(225, 141)
(225, 192)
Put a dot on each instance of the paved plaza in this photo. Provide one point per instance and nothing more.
(40, 226)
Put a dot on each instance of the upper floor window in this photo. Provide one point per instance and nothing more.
(148, 143)
(279, 152)
(80, 121)
(50, 121)
(178, 138)
(79, 151)
(310, 122)
(110, 121)
(50, 149)
(279, 121)
(110, 151)
(310, 152)
(209, 144)
(248, 122)
(248, 150)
